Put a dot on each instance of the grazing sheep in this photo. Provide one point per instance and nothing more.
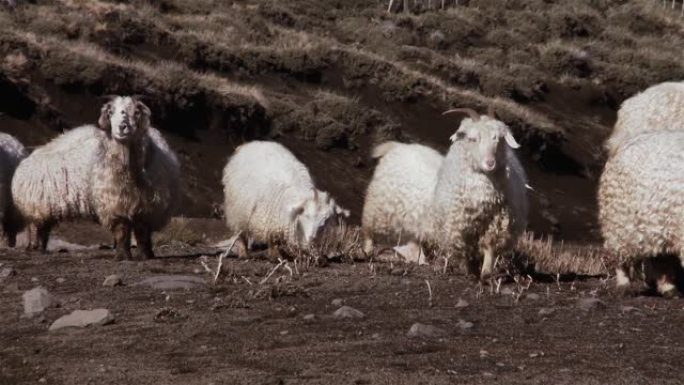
(399, 196)
(52, 184)
(11, 153)
(270, 196)
(641, 201)
(135, 181)
(658, 108)
(480, 201)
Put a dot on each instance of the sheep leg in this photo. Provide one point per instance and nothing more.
(122, 236)
(143, 236)
(42, 237)
(487, 264)
(368, 245)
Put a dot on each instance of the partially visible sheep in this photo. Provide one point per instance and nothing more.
(11, 153)
(135, 179)
(52, 184)
(658, 108)
(399, 196)
(641, 201)
(480, 201)
(270, 196)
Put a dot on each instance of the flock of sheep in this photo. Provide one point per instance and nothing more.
(469, 205)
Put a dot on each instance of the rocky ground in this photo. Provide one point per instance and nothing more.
(165, 321)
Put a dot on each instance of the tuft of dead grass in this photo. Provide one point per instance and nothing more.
(555, 258)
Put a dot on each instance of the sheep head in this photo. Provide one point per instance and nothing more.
(482, 137)
(314, 215)
(124, 118)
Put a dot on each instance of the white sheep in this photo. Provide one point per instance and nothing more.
(399, 196)
(480, 201)
(660, 107)
(11, 153)
(52, 184)
(270, 197)
(134, 182)
(641, 201)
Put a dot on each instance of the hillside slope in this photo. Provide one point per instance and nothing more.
(331, 78)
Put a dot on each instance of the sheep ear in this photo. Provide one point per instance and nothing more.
(144, 112)
(508, 136)
(295, 210)
(105, 115)
(458, 135)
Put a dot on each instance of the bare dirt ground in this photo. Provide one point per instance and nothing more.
(283, 331)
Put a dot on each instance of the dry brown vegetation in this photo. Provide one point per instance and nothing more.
(330, 79)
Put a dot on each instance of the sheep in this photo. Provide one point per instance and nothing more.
(11, 153)
(480, 199)
(270, 197)
(641, 205)
(135, 179)
(120, 173)
(52, 184)
(399, 196)
(660, 107)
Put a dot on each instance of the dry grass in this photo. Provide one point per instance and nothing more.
(554, 258)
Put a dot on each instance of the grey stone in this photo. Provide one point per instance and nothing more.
(60, 280)
(629, 309)
(83, 318)
(309, 317)
(172, 282)
(590, 303)
(347, 312)
(507, 291)
(112, 280)
(465, 325)
(36, 301)
(337, 302)
(533, 296)
(6, 273)
(418, 330)
(546, 311)
(461, 304)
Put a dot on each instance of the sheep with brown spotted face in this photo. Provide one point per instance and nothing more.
(135, 181)
(479, 208)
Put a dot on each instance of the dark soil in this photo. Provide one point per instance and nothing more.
(237, 332)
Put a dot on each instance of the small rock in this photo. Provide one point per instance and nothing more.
(533, 297)
(337, 302)
(411, 253)
(483, 353)
(309, 317)
(172, 282)
(590, 303)
(348, 312)
(397, 271)
(376, 336)
(34, 279)
(168, 315)
(6, 273)
(461, 304)
(83, 318)
(465, 325)
(426, 331)
(36, 300)
(112, 280)
(284, 333)
(629, 309)
(42, 380)
(507, 291)
(546, 311)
